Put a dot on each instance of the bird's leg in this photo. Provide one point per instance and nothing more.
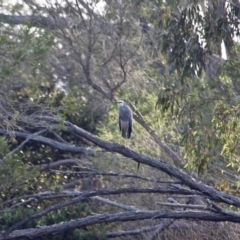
(122, 141)
(127, 143)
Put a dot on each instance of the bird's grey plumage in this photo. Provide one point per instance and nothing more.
(125, 120)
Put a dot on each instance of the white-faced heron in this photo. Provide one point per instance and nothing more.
(125, 119)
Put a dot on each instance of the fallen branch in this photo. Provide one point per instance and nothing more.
(148, 229)
(49, 142)
(116, 204)
(165, 224)
(85, 195)
(132, 232)
(93, 172)
(185, 178)
(139, 118)
(59, 163)
(116, 217)
(192, 206)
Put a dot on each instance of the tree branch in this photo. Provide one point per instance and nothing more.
(58, 163)
(187, 180)
(117, 217)
(91, 172)
(85, 195)
(49, 142)
(148, 229)
(37, 21)
(192, 206)
(113, 203)
(165, 224)
(139, 118)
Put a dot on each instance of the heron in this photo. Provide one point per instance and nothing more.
(125, 119)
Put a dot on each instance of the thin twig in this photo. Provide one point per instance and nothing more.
(89, 194)
(192, 206)
(120, 205)
(91, 172)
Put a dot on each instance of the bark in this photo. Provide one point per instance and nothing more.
(210, 212)
(185, 178)
(49, 142)
(85, 195)
(175, 225)
(116, 217)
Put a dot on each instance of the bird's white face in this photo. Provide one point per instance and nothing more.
(121, 103)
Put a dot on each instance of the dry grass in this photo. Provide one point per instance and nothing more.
(183, 230)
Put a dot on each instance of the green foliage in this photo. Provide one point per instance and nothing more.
(196, 117)
(4, 149)
(17, 51)
(11, 217)
(206, 114)
(78, 110)
(15, 178)
(63, 214)
(8, 218)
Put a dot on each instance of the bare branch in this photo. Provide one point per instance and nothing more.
(19, 204)
(49, 142)
(132, 232)
(117, 217)
(165, 224)
(189, 181)
(148, 229)
(113, 203)
(38, 21)
(139, 118)
(58, 137)
(91, 172)
(58, 163)
(185, 179)
(201, 207)
(84, 195)
(48, 195)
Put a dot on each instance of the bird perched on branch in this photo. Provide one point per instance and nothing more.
(125, 119)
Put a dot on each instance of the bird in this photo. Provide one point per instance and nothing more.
(125, 119)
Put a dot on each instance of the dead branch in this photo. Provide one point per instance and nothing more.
(185, 178)
(49, 142)
(94, 172)
(116, 217)
(149, 229)
(139, 118)
(37, 21)
(201, 207)
(58, 137)
(165, 224)
(85, 195)
(59, 163)
(114, 203)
